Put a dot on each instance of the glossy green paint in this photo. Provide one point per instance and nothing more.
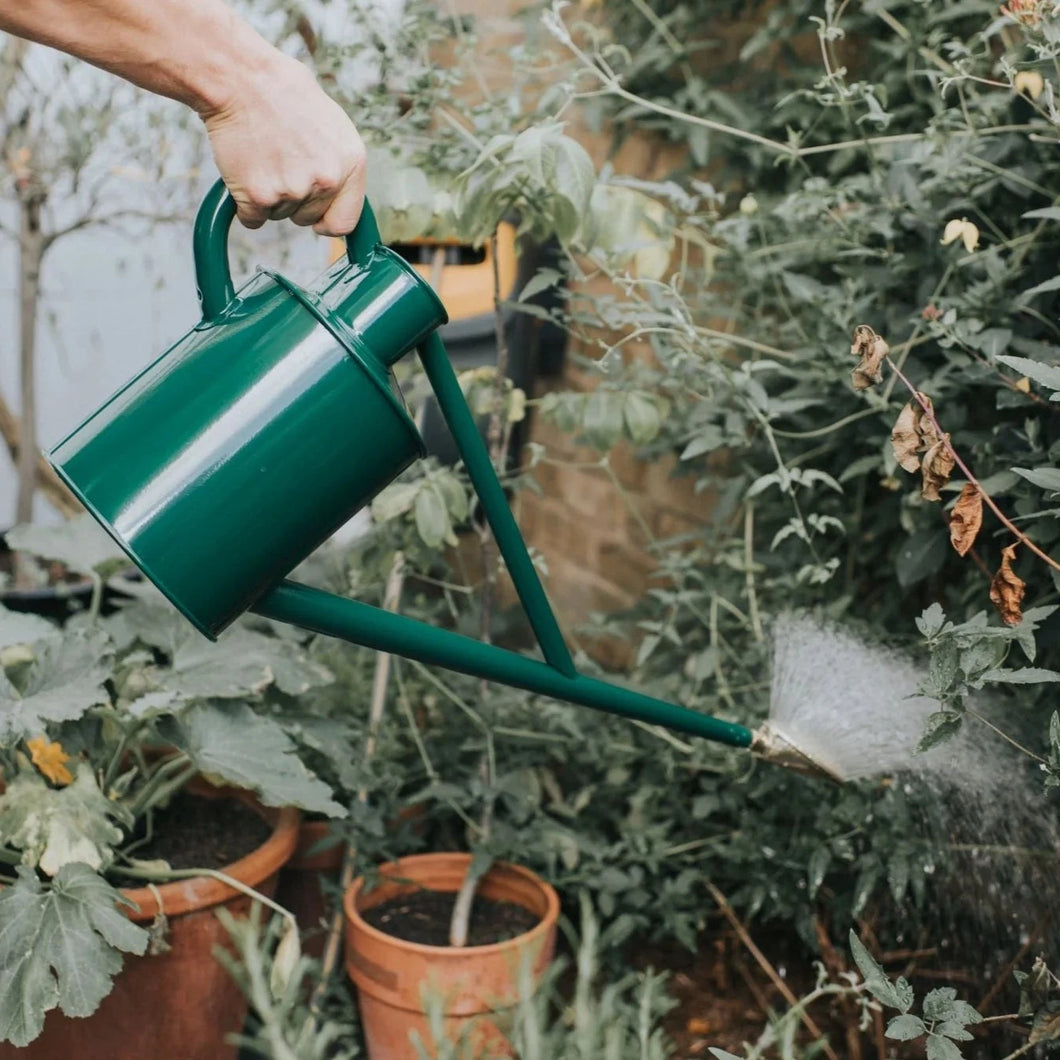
(259, 433)
(244, 446)
(351, 620)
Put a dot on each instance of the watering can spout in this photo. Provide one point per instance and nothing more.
(240, 450)
(772, 745)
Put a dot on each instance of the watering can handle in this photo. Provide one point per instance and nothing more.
(210, 245)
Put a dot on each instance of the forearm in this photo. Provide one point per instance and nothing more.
(196, 51)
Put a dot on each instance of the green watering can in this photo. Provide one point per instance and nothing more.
(227, 461)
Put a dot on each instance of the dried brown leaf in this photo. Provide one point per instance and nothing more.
(870, 350)
(936, 468)
(925, 423)
(1007, 589)
(905, 438)
(966, 518)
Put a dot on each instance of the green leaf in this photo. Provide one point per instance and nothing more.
(573, 177)
(602, 422)
(1047, 478)
(241, 664)
(395, 500)
(1047, 375)
(875, 977)
(939, 727)
(643, 417)
(1047, 213)
(542, 280)
(939, 1048)
(898, 876)
(938, 1003)
(64, 680)
(54, 827)
(1041, 288)
(820, 859)
(79, 544)
(453, 493)
(706, 440)
(59, 946)
(18, 628)
(432, 517)
(905, 1028)
(232, 743)
(922, 555)
(931, 620)
(1028, 675)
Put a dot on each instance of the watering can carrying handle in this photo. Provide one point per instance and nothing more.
(210, 243)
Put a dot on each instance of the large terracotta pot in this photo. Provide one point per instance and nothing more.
(479, 985)
(182, 1004)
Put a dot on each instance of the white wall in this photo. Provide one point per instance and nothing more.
(111, 303)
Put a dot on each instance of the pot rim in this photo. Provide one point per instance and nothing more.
(204, 892)
(541, 928)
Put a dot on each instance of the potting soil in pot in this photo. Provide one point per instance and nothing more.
(424, 916)
(195, 833)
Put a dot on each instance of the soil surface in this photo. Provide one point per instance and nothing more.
(423, 917)
(197, 833)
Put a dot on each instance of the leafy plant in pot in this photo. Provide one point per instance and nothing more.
(113, 734)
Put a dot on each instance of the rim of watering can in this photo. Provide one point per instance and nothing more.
(131, 552)
(380, 373)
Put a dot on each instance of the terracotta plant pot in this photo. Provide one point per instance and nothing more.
(301, 888)
(479, 985)
(181, 1004)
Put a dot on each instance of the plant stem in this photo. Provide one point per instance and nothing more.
(160, 784)
(380, 680)
(460, 920)
(966, 471)
(1021, 1051)
(31, 252)
(1004, 735)
(763, 963)
(132, 872)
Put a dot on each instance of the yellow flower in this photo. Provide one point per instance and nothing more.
(748, 205)
(1029, 83)
(963, 230)
(50, 759)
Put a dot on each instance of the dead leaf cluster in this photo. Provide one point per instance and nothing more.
(870, 350)
(1007, 589)
(919, 444)
(915, 432)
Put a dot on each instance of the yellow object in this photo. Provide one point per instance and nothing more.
(964, 230)
(466, 290)
(50, 759)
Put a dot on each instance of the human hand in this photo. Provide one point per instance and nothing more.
(285, 149)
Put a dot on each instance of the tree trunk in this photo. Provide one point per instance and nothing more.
(31, 251)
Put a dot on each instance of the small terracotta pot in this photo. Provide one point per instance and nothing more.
(479, 985)
(301, 887)
(181, 1004)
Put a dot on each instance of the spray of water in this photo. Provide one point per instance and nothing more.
(848, 705)
(854, 707)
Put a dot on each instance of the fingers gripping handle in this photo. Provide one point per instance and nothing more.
(210, 244)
